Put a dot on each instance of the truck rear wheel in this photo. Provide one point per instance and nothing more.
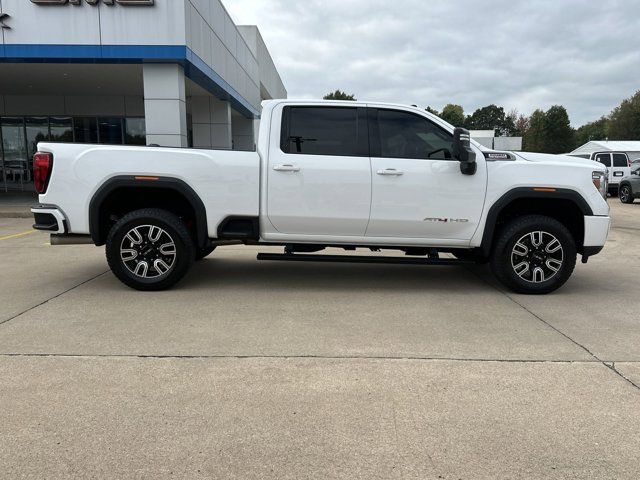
(533, 254)
(149, 249)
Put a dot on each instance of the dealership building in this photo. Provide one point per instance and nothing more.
(175, 73)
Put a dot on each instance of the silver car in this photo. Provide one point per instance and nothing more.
(629, 188)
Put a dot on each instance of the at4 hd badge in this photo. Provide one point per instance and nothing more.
(3, 19)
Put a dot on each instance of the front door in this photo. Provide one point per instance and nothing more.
(319, 177)
(418, 190)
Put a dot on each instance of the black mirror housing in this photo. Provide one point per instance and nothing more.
(463, 152)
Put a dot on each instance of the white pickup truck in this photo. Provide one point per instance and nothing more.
(328, 174)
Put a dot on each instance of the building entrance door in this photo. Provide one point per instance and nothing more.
(16, 172)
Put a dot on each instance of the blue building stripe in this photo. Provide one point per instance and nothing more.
(195, 68)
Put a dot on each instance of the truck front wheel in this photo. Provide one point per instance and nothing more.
(149, 249)
(533, 254)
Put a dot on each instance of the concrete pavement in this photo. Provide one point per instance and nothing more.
(269, 370)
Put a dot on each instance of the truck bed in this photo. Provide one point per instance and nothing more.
(228, 182)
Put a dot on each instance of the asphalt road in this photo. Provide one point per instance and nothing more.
(286, 371)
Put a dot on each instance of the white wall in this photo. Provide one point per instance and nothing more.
(202, 25)
(270, 79)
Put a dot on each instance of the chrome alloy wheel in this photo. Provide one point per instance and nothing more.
(537, 257)
(148, 251)
(625, 194)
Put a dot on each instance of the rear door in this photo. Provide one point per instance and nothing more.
(418, 190)
(619, 167)
(319, 177)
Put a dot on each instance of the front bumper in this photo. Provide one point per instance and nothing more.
(596, 231)
(49, 218)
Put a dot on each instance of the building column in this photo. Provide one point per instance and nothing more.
(243, 133)
(165, 105)
(201, 122)
(221, 132)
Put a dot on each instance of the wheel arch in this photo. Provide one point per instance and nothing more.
(123, 194)
(565, 205)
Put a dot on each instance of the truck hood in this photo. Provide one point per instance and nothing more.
(564, 159)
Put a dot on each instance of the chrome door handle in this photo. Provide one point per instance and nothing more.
(390, 171)
(286, 168)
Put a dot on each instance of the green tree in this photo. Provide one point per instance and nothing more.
(549, 132)
(624, 123)
(521, 125)
(592, 131)
(533, 137)
(559, 137)
(490, 117)
(453, 114)
(433, 110)
(339, 95)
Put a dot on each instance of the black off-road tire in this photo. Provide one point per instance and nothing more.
(625, 193)
(504, 268)
(174, 231)
(202, 253)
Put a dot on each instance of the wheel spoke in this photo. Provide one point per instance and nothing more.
(141, 269)
(168, 249)
(553, 246)
(161, 267)
(536, 238)
(128, 254)
(538, 275)
(134, 236)
(155, 233)
(520, 249)
(522, 268)
(554, 265)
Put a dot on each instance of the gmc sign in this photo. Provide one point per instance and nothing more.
(140, 3)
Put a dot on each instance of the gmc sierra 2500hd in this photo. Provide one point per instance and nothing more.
(328, 174)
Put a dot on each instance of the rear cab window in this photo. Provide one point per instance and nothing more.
(331, 131)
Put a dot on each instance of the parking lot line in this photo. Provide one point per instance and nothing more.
(16, 235)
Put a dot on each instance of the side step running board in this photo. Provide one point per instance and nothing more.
(299, 257)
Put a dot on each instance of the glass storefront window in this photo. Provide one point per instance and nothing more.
(110, 130)
(61, 129)
(19, 138)
(135, 131)
(15, 165)
(37, 130)
(85, 129)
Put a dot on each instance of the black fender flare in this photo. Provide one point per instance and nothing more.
(147, 182)
(532, 193)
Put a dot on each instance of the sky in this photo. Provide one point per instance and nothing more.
(522, 54)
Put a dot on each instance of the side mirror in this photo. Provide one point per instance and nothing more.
(463, 152)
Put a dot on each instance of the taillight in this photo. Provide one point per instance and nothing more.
(42, 166)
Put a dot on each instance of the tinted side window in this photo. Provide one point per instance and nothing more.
(604, 158)
(407, 135)
(620, 160)
(323, 131)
